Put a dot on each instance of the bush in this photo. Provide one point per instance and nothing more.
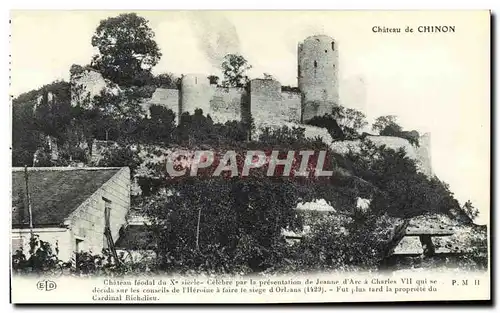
(387, 126)
(339, 242)
(119, 156)
(43, 260)
(342, 123)
(243, 222)
(402, 191)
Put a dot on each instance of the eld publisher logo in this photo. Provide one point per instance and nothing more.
(46, 285)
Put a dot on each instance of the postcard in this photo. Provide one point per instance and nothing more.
(250, 156)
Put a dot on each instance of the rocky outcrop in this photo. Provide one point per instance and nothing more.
(420, 154)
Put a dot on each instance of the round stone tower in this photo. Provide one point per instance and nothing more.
(196, 93)
(318, 75)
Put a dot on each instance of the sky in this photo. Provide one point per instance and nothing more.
(437, 83)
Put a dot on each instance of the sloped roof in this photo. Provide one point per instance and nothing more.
(449, 235)
(54, 192)
(409, 246)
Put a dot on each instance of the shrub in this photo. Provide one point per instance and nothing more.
(44, 260)
(388, 126)
(339, 242)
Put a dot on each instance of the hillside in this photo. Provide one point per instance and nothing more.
(378, 185)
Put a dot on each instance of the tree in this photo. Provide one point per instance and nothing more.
(342, 123)
(53, 111)
(213, 79)
(234, 68)
(120, 156)
(387, 121)
(470, 210)
(349, 120)
(167, 80)
(127, 50)
(158, 128)
(235, 229)
(36, 114)
(25, 138)
(195, 128)
(403, 192)
(387, 126)
(268, 76)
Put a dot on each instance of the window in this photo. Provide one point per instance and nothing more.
(107, 210)
(78, 245)
(326, 51)
(315, 64)
(333, 45)
(17, 244)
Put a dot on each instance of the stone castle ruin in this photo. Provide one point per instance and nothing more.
(317, 81)
(263, 99)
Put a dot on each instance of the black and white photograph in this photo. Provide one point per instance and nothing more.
(250, 156)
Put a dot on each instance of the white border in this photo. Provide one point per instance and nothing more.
(5, 127)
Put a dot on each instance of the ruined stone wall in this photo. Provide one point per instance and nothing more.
(223, 104)
(291, 106)
(228, 104)
(168, 98)
(424, 153)
(265, 99)
(85, 85)
(421, 154)
(269, 103)
(310, 132)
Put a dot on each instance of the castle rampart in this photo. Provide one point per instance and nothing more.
(196, 93)
(263, 99)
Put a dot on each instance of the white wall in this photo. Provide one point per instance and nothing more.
(61, 236)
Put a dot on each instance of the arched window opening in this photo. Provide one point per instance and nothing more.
(315, 64)
(333, 45)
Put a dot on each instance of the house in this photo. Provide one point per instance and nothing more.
(70, 207)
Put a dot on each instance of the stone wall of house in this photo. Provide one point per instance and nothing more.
(88, 221)
(57, 237)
